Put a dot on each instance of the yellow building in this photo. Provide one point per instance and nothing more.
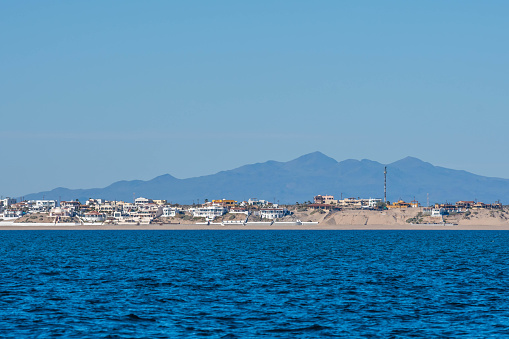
(160, 202)
(400, 204)
(225, 202)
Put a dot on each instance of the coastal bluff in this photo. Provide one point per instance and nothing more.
(402, 217)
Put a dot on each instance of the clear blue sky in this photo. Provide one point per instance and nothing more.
(98, 91)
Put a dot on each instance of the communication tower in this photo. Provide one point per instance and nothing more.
(385, 184)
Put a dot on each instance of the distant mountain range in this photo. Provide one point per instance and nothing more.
(303, 178)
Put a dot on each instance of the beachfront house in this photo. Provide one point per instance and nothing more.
(11, 215)
(434, 211)
(134, 218)
(145, 216)
(119, 215)
(438, 212)
(273, 213)
(170, 212)
(42, 205)
(238, 210)
(149, 209)
(209, 212)
(94, 216)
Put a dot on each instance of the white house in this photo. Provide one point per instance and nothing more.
(107, 208)
(373, 202)
(7, 202)
(42, 205)
(171, 211)
(273, 213)
(127, 206)
(10, 215)
(143, 201)
(238, 210)
(437, 212)
(126, 218)
(209, 212)
(91, 201)
(94, 216)
(119, 215)
(256, 202)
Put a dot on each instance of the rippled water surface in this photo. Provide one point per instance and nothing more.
(238, 284)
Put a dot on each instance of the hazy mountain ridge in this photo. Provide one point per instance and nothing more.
(302, 178)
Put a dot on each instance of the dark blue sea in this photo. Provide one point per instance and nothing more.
(250, 284)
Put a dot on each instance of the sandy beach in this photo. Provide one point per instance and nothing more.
(257, 227)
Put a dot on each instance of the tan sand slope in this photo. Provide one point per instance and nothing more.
(403, 217)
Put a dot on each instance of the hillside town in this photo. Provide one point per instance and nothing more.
(226, 211)
(140, 211)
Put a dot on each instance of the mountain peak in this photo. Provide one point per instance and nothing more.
(315, 158)
(410, 162)
(163, 178)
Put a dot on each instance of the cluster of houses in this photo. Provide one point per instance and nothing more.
(11, 209)
(217, 208)
(328, 202)
(459, 207)
(141, 211)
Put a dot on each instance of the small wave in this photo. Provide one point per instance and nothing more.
(134, 317)
(167, 300)
(51, 273)
(314, 327)
(229, 335)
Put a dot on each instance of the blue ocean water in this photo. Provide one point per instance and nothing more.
(250, 284)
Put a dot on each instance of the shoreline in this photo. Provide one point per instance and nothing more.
(183, 227)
